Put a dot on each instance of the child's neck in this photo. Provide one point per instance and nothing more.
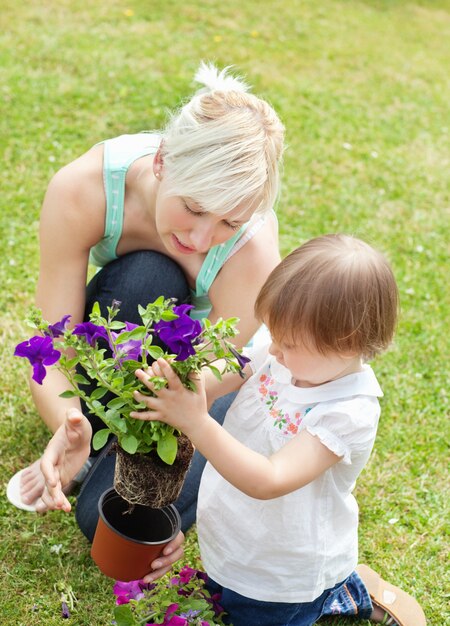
(355, 365)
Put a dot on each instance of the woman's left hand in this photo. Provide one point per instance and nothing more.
(172, 553)
(175, 405)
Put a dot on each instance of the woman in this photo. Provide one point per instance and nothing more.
(186, 213)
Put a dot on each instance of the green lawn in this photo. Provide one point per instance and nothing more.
(362, 87)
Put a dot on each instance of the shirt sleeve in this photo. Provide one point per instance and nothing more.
(347, 428)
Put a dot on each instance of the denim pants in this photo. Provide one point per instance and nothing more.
(348, 598)
(133, 279)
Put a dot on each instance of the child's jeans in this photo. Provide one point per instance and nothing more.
(349, 598)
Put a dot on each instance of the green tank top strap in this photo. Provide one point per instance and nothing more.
(210, 268)
(119, 154)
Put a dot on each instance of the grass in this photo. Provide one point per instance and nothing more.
(362, 87)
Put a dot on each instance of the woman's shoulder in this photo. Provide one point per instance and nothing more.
(75, 196)
(259, 252)
(80, 181)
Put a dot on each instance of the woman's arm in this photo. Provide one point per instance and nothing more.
(298, 463)
(234, 292)
(72, 220)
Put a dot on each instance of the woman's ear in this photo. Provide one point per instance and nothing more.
(158, 164)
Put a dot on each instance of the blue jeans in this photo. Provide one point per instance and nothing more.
(348, 598)
(133, 279)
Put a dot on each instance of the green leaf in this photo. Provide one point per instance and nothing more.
(136, 334)
(70, 363)
(116, 403)
(155, 352)
(119, 423)
(117, 382)
(98, 393)
(68, 394)
(129, 443)
(81, 380)
(100, 438)
(216, 372)
(96, 309)
(167, 448)
(117, 325)
(168, 316)
(124, 615)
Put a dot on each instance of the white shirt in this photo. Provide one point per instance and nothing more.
(291, 548)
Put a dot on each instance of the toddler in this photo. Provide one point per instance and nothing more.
(277, 521)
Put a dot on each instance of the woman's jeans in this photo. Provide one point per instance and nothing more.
(348, 598)
(133, 279)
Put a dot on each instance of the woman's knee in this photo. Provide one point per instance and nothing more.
(136, 279)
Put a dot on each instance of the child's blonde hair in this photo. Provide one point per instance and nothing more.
(224, 146)
(335, 291)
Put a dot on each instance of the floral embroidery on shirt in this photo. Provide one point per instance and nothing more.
(288, 424)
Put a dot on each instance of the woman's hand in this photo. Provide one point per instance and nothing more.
(63, 458)
(175, 405)
(172, 553)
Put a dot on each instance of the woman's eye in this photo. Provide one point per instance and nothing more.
(232, 226)
(189, 210)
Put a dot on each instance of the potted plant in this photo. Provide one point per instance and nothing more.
(100, 357)
(103, 354)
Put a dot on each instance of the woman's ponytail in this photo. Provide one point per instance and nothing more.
(213, 79)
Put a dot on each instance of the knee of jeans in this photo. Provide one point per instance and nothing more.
(137, 278)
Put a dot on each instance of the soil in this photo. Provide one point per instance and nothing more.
(146, 479)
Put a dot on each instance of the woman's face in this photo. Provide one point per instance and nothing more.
(185, 228)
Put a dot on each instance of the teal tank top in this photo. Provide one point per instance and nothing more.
(119, 154)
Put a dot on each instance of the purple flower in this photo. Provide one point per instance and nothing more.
(130, 349)
(91, 332)
(170, 619)
(126, 591)
(184, 576)
(65, 613)
(180, 335)
(214, 601)
(40, 352)
(190, 614)
(56, 330)
(240, 358)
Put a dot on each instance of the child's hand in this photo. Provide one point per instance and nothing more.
(175, 405)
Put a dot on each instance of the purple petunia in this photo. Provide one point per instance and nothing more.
(240, 358)
(170, 619)
(126, 591)
(91, 332)
(184, 576)
(180, 335)
(56, 330)
(130, 349)
(40, 352)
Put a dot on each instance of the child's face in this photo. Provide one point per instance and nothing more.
(310, 368)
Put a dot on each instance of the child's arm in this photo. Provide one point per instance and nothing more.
(231, 381)
(298, 463)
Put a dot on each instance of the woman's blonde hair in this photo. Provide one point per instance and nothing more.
(224, 146)
(335, 291)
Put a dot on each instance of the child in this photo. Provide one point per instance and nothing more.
(277, 521)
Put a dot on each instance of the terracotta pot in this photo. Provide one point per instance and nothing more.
(145, 479)
(128, 539)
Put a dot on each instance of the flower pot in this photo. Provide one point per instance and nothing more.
(128, 539)
(145, 479)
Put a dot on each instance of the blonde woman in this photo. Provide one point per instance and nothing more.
(185, 213)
